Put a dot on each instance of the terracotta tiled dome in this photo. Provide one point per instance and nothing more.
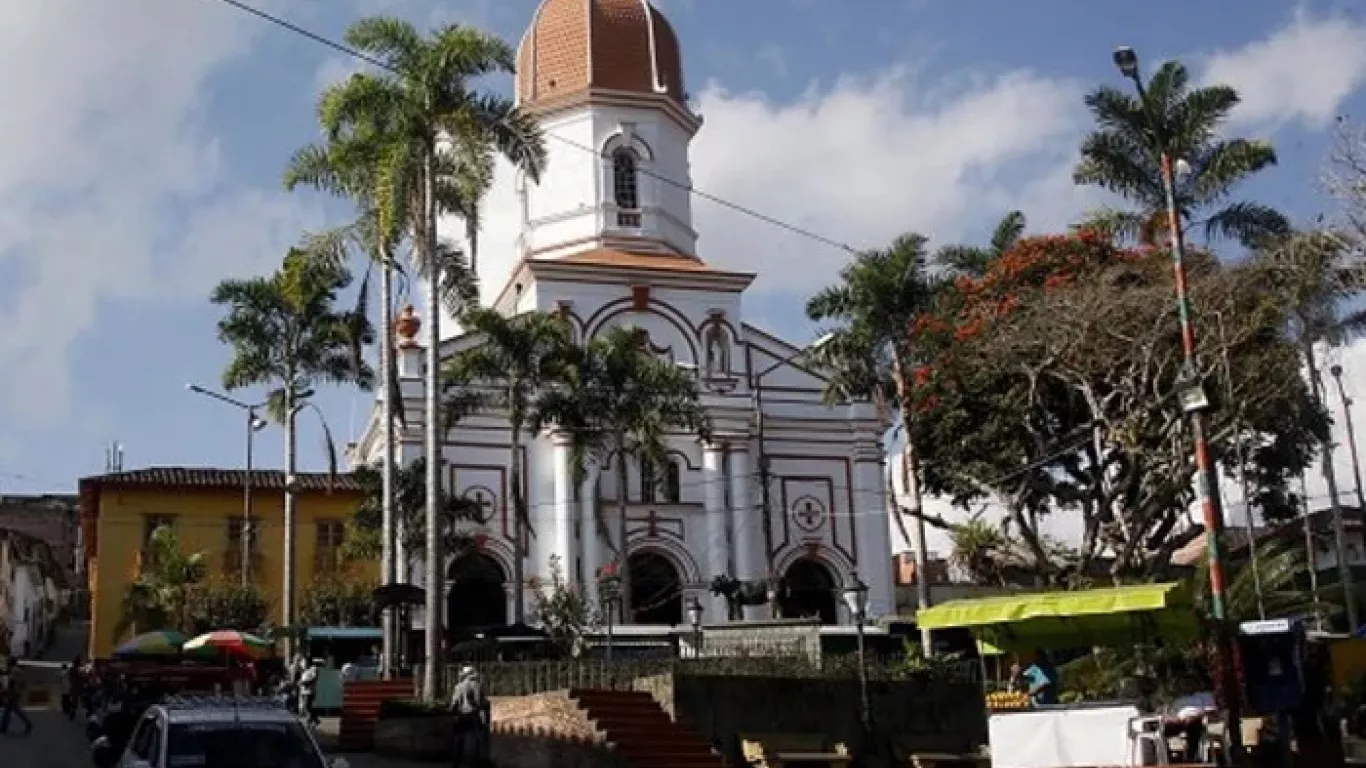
(617, 45)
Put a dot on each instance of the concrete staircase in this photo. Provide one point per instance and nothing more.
(643, 732)
(361, 701)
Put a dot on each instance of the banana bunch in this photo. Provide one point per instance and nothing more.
(1007, 701)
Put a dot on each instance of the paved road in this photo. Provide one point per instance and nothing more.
(55, 742)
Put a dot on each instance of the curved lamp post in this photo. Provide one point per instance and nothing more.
(856, 599)
(694, 610)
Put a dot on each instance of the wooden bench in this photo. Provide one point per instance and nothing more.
(778, 750)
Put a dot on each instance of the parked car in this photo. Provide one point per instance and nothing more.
(215, 732)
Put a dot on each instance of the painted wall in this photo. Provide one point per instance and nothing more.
(201, 522)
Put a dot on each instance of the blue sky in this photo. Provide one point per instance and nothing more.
(142, 142)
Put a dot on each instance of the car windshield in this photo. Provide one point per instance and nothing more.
(241, 745)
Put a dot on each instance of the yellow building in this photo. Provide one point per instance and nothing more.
(119, 512)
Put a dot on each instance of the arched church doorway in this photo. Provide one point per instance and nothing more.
(656, 590)
(477, 599)
(808, 592)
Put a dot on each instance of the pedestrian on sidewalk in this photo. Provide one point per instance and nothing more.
(472, 722)
(11, 696)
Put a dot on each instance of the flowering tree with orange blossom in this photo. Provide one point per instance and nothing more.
(1052, 388)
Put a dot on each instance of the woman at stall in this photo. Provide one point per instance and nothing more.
(1038, 678)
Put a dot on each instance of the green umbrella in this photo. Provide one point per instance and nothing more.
(165, 642)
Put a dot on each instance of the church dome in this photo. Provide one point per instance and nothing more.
(618, 46)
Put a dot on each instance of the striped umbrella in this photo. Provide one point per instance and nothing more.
(164, 642)
(231, 642)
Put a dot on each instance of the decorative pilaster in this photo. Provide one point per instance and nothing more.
(408, 361)
(870, 510)
(561, 541)
(715, 551)
(589, 543)
(745, 518)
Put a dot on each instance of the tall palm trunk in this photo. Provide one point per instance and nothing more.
(518, 525)
(387, 533)
(431, 432)
(291, 462)
(623, 562)
(910, 467)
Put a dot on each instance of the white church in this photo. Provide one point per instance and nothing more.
(607, 240)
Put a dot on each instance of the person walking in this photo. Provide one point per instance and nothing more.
(472, 712)
(308, 692)
(11, 697)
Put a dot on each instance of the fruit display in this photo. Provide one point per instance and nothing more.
(1007, 701)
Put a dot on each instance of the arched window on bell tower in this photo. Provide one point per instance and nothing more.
(626, 186)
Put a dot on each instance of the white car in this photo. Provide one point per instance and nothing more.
(216, 732)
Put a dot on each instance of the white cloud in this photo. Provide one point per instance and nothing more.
(1303, 72)
(103, 141)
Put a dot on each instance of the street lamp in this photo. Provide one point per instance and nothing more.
(856, 598)
(609, 592)
(1196, 405)
(254, 425)
(695, 620)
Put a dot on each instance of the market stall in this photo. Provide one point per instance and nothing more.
(1068, 735)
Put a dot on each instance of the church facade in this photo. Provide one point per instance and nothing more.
(606, 241)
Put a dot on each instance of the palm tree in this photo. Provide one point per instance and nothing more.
(426, 116)
(363, 538)
(1315, 273)
(616, 399)
(349, 166)
(508, 369)
(973, 260)
(160, 596)
(872, 350)
(1123, 156)
(287, 335)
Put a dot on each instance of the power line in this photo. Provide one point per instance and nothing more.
(689, 188)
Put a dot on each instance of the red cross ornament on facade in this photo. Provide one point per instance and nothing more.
(808, 515)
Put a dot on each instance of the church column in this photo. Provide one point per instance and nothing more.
(561, 543)
(870, 510)
(715, 553)
(589, 543)
(744, 521)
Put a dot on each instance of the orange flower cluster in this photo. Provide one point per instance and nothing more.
(1046, 263)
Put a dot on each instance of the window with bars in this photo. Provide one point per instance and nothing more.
(150, 524)
(649, 481)
(328, 546)
(626, 187)
(232, 546)
(660, 484)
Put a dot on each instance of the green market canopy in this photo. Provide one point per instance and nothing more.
(1059, 620)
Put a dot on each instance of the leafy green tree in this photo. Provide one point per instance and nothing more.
(287, 336)
(226, 604)
(508, 368)
(160, 596)
(1123, 156)
(616, 400)
(363, 543)
(423, 110)
(1053, 388)
(339, 601)
(564, 611)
